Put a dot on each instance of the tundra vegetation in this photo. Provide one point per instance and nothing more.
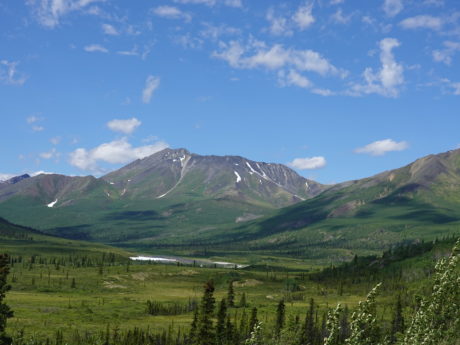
(99, 297)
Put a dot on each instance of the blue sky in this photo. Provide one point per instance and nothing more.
(337, 89)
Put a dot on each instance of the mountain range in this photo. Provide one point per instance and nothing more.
(177, 198)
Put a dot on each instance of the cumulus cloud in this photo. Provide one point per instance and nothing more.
(33, 121)
(279, 25)
(388, 79)
(445, 55)
(380, 147)
(124, 126)
(93, 48)
(110, 30)
(49, 12)
(275, 57)
(53, 153)
(422, 22)
(293, 78)
(308, 163)
(6, 177)
(210, 3)
(114, 152)
(340, 18)
(171, 12)
(303, 16)
(151, 84)
(392, 7)
(284, 25)
(9, 74)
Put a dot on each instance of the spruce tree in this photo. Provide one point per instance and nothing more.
(221, 319)
(206, 332)
(397, 324)
(280, 318)
(5, 311)
(253, 320)
(309, 333)
(231, 295)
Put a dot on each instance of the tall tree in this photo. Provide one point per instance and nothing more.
(220, 326)
(230, 295)
(5, 311)
(397, 324)
(253, 319)
(309, 332)
(206, 332)
(280, 317)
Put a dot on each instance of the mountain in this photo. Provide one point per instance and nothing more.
(170, 193)
(420, 200)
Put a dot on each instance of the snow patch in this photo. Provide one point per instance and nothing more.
(51, 204)
(252, 170)
(238, 177)
(306, 185)
(112, 182)
(151, 258)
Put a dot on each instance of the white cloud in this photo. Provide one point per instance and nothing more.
(339, 18)
(279, 26)
(308, 163)
(9, 74)
(151, 84)
(336, 2)
(392, 7)
(303, 16)
(53, 153)
(293, 78)
(33, 119)
(49, 12)
(454, 87)
(230, 3)
(92, 48)
(114, 152)
(388, 79)
(422, 22)
(38, 128)
(124, 126)
(6, 177)
(445, 55)
(380, 147)
(110, 30)
(55, 140)
(171, 12)
(275, 58)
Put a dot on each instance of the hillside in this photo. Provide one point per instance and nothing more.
(420, 200)
(21, 241)
(171, 193)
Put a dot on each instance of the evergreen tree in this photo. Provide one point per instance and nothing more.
(206, 332)
(253, 320)
(5, 311)
(280, 317)
(243, 303)
(230, 295)
(193, 335)
(309, 332)
(397, 324)
(221, 319)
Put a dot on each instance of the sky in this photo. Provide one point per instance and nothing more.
(335, 89)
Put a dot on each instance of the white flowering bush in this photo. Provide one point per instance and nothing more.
(437, 320)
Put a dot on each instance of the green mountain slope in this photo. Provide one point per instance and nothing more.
(18, 240)
(420, 200)
(170, 194)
